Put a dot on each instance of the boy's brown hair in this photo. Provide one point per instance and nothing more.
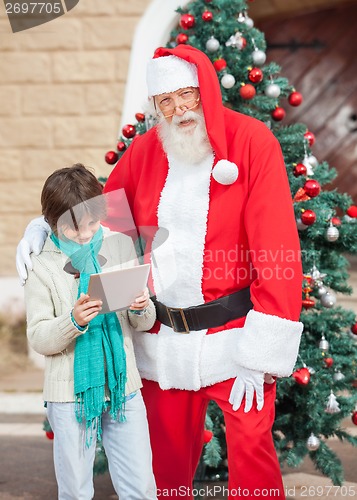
(66, 194)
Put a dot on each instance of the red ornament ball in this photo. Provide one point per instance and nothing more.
(336, 221)
(299, 169)
(50, 435)
(308, 217)
(255, 75)
(278, 114)
(295, 99)
(310, 137)
(187, 21)
(128, 131)
(352, 211)
(308, 303)
(207, 16)
(354, 417)
(208, 1)
(247, 91)
(312, 188)
(302, 376)
(207, 436)
(354, 329)
(181, 38)
(219, 64)
(121, 146)
(328, 362)
(111, 157)
(140, 117)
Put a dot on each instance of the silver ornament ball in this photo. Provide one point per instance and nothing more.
(241, 17)
(259, 57)
(323, 344)
(313, 442)
(332, 234)
(249, 22)
(338, 376)
(228, 81)
(300, 225)
(322, 290)
(272, 90)
(313, 160)
(212, 44)
(328, 299)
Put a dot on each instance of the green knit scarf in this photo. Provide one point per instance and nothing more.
(99, 350)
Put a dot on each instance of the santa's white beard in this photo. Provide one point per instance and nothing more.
(190, 145)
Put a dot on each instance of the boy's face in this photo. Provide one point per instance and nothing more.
(87, 227)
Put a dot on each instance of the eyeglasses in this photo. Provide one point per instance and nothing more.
(168, 107)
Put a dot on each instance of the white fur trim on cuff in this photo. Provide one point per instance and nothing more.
(269, 344)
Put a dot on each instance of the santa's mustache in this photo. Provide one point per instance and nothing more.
(189, 115)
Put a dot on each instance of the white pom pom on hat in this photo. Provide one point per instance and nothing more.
(225, 172)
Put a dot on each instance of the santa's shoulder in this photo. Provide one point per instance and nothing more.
(243, 126)
(236, 121)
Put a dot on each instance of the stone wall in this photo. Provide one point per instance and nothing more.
(61, 92)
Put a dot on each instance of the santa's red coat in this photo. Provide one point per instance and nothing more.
(221, 239)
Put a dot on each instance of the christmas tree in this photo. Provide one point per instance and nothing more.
(322, 391)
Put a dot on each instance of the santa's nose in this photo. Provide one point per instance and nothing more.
(179, 111)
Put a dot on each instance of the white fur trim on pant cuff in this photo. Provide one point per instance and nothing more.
(269, 344)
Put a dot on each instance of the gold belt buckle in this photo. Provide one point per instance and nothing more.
(183, 317)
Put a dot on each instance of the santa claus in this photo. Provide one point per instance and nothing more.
(226, 275)
(227, 279)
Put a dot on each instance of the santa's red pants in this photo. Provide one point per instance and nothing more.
(176, 423)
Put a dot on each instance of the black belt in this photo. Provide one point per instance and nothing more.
(209, 315)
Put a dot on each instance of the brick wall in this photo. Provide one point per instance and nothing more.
(61, 93)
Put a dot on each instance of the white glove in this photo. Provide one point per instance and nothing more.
(247, 383)
(33, 240)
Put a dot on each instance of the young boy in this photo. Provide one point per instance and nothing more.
(92, 385)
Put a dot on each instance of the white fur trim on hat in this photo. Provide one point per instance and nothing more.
(169, 73)
(225, 172)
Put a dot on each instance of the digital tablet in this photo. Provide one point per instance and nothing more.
(117, 288)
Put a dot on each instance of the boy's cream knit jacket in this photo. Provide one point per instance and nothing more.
(50, 294)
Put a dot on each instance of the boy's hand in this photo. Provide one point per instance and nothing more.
(141, 302)
(85, 309)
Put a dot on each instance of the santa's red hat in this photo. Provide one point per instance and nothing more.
(186, 66)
